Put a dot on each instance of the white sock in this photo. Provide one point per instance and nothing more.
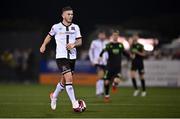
(101, 86)
(59, 88)
(70, 92)
(97, 87)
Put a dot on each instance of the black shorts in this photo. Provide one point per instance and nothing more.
(66, 65)
(112, 72)
(138, 66)
(100, 67)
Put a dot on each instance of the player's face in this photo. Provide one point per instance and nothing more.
(102, 36)
(68, 16)
(135, 39)
(115, 36)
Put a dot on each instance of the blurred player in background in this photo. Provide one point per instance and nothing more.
(115, 50)
(137, 55)
(95, 49)
(68, 37)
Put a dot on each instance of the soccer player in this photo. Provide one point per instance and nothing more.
(95, 49)
(137, 55)
(115, 51)
(68, 37)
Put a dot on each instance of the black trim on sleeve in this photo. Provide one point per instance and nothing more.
(78, 38)
(50, 34)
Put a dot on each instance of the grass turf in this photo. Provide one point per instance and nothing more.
(33, 101)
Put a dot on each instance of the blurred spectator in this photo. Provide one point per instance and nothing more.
(30, 65)
(7, 59)
(17, 65)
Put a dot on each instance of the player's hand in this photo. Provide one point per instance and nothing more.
(93, 64)
(134, 51)
(100, 59)
(70, 46)
(132, 56)
(42, 48)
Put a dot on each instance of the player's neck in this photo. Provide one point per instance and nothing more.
(66, 23)
(114, 41)
(135, 43)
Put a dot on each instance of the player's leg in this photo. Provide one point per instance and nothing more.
(107, 78)
(106, 87)
(133, 78)
(143, 85)
(100, 82)
(54, 95)
(59, 87)
(133, 75)
(68, 76)
(70, 90)
(117, 79)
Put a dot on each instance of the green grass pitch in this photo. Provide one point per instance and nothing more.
(17, 100)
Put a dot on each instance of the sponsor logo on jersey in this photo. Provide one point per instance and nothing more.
(66, 33)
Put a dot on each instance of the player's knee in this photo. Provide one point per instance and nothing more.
(68, 77)
(106, 82)
(117, 80)
(100, 73)
(63, 80)
(133, 74)
(142, 76)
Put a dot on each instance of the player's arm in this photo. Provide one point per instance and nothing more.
(45, 42)
(77, 43)
(104, 50)
(91, 52)
(101, 55)
(48, 38)
(142, 53)
(126, 53)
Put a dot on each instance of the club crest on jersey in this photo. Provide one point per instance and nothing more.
(72, 28)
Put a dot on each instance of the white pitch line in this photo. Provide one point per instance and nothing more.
(90, 104)
(37, 95)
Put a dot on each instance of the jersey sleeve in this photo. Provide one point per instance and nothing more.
(142, 48)
(52, 31)
(121, 47)
(78, 33)
(104, 50)
(124, 52)
(91, 52)
(107, 47)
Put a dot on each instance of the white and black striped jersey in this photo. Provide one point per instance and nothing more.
(63, 35)
(95, 49)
